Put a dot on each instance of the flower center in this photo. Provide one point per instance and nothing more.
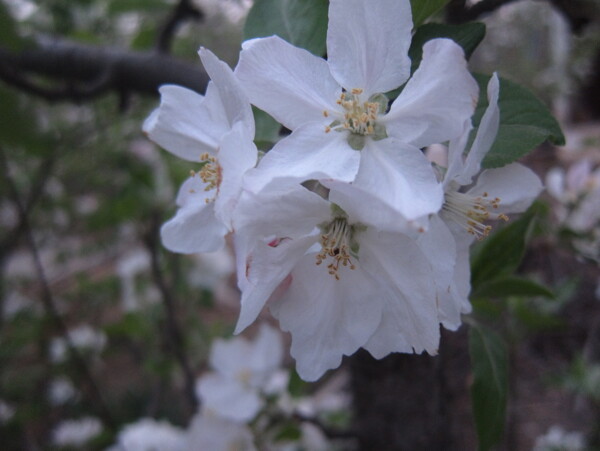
(337, 244)
(359, 117)
(244, 377)
(470, 212)
(210, 173)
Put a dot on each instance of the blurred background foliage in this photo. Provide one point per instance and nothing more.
(83, 194)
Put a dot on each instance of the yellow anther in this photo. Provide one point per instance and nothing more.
(335, 244)
(470, 212)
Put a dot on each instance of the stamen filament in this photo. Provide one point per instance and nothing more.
(470, 212)
(335, 244)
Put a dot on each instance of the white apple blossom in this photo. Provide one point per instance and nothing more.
(216, 131)
(470, 199)
(337, 280)
(212, 432)
(6, 412)
(148, 434)
(557, 439)
(578, 208)
(337, 106)
(76, 433)
(242, 374)
(578, 191)
(61, 391)
(83, 337)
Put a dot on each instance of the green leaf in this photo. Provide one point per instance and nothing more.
(500, 253)
(467, 35)
(267, 129)
(423, 9)
(302, 23)
(525, 123)
(512, 286)
(489, 363)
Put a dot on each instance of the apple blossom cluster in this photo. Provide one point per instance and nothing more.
(353, 237)
(577, 207)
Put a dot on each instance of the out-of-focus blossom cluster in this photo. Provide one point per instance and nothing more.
(83, 337)
(557, 439)
(577, 207)
(244, 405)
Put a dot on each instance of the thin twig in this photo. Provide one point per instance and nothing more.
(48, 299)
(183, 11)
(173, 332)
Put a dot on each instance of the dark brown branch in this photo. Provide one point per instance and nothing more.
(174, 337)
(183, 11)
(48, 299)
(578, 13)
(59, 70)
(458, 12)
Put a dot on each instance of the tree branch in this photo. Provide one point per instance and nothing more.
(174, 336)
(578, 13)
(60, 70)
(458, 12)
(183, 11)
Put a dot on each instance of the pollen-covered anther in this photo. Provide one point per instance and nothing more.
(359, 116)
(335, 245)
(470, 212)
(209, 173)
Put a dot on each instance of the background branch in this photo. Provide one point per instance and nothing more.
(184, 11)
(60, 70)
(577, 12)
(174, 337)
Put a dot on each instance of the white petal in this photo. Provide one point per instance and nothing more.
(266, 354)
(462, 268)
(327, 318)
(195, 227)
(280, 210)
(486, 134)
(230, 357)
(437, 100)
(366, 208)
(233, 98)
(578, 175)
(401, 176)
(555, 183)
(516, 185)
(409, 322)
(211, 432)
(308, 153)
(228, 398)
(291, 84)
(439, 245)
(186, 123)
(236, 156)
(266, 268)
(367, 43)
(456, 157)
